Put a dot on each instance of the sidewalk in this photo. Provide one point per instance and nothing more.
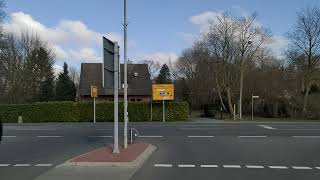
(102, 164)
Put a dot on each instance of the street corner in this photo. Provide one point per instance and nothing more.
(103, 162)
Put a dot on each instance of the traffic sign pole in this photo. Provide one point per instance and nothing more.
(116, 100)
(163, 112)
(94, 110)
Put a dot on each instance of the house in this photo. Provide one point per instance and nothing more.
(139, 83)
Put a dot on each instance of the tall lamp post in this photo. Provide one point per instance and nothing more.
(125, 94)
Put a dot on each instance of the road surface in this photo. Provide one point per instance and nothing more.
(220, 151)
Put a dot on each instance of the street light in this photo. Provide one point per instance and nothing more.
(125, 91)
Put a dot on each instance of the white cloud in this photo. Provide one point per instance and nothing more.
(57, 69)
(161, 57)
(71, 40)
(205, 18)
(278, 44)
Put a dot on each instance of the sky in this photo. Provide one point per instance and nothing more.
(158, 30)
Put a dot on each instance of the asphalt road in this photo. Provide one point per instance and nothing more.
(220, 151)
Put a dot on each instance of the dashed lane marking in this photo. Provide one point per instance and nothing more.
(9, 136)
(306, 136)
(43, 165)
(301, 167)
(49, 136)
(252, 136)
(186, 165)
(267, 127)
(254, 167)
(162, 165)
(150, 136)
(208, 166)
(35, 129)
(22, 165)
(237, 166)
(231, 166)
(4, 165)
(278, 167)
(100, 136)
(200, 136)
(200, 128)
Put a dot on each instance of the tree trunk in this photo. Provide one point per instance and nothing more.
(230, 101)
(305, 99)
(241, 91)
(220, 97)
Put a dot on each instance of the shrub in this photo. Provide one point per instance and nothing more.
(83, 112)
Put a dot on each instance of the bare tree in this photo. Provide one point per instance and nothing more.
(220, 41)
(305, 43)
(153, 67)
(74, 75)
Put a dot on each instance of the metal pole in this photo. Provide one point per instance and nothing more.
(234, 112)
(151, 110)
(94, 110)
(116, 100)
(163, 112)
(252, 107)
(125, 94)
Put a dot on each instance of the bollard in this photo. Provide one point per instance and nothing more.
(20, 119)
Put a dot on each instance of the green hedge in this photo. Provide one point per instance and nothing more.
(83, 112)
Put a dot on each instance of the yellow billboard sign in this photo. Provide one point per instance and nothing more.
(94, 91)
(162, 92)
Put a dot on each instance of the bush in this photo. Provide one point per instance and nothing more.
(210, 110)
(83, 112)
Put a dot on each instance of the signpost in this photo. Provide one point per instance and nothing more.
(111, 81)
(253, 97)
(94, 95)
(162, 92)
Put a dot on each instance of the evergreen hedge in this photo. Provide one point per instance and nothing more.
(83, 112)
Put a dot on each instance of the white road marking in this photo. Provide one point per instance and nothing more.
(317, 167)
(22, 165)
(100, 136)
(231, 166)
(162, 165)
(150, 136)
(35, 129)
(49, 136)
(254, 167)
(252, 136)
(200, 136)
(186, 166)
(9, 136)
(306, 136)
(278, 167)
(200, 128)
(301, 167)
(299, 129)
(43, 165)
(4, 165)
(267, 127)
(103, 129)
(209, 166)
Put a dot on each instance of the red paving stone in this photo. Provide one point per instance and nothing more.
(105, 154)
